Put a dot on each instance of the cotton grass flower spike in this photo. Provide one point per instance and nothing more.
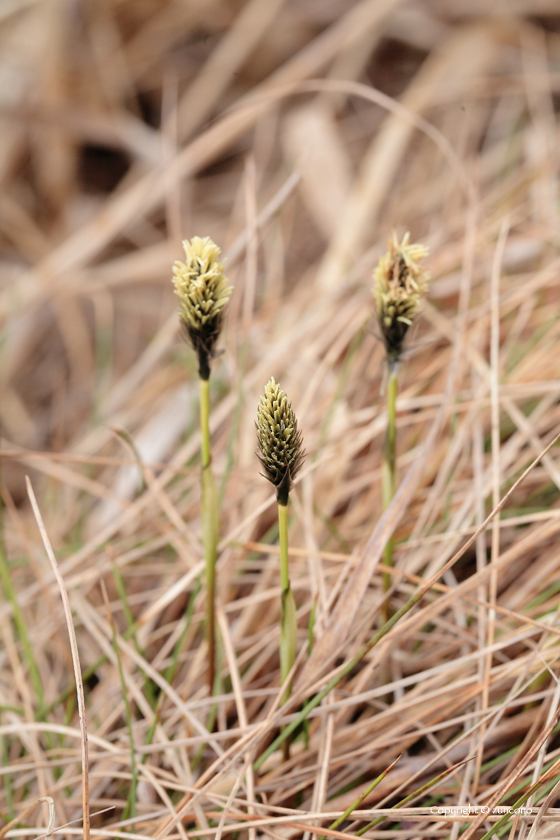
(280, 445)
(280, 451)
(203, 290)
(400, 283)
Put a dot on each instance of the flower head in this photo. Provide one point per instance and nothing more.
(399, 286)
(280, 443)
(203, 290)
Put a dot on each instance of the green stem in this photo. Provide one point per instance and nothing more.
(205, 422)
(130, 808)
(19, 622)
(517, 804)
(8, 781)
(210, 527)
(288, 621)
(356, 804)
(130, 623)
(283, 538)
(389, 475)
(403, 802)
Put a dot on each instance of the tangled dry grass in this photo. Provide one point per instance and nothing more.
(297, 135)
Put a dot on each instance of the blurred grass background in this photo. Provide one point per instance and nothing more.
(297, 134)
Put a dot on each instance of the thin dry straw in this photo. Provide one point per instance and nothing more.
(131, 801)
(22, 817)
(75, 656)
(60, 828)
(495, 437)
(379, 98)
(150, 190)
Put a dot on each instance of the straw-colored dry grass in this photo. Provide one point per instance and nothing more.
(272, 127)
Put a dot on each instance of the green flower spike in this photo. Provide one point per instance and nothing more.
(280, 449)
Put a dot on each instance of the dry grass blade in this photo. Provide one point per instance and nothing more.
(547, 802)
(26, 813)
(75, 658)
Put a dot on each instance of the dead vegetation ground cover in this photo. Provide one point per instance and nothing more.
(297, 135)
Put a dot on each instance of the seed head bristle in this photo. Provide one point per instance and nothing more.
(203, 292)
(280, 443)
(399, 285)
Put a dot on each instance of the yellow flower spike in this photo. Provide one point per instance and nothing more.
(203, 292)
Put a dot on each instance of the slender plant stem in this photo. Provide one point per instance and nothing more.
(517, 804)
(389, 474)
(283, 538)
(205, 422)
(357, 802)
(210, 527)
(130, 809)
(402, 802)
(121, 591)
(288, 621)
